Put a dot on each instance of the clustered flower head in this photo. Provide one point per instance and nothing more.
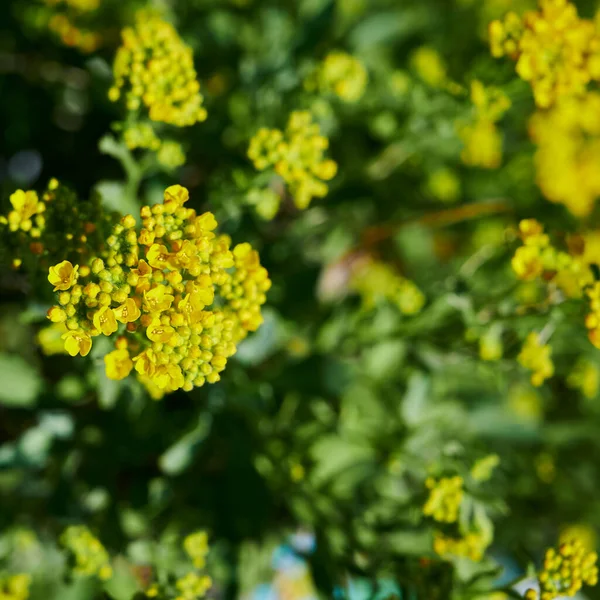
(341, 74)
(89, 556)
(297, 156)
(481, 138)
(538, 258)
(40, 229)
(571, 272)
(376, 281)
(536, 357)
(177, 296)
(27, 213)
(445, 497)
(564, 572)
(568, 152)
(155, 68)
(585, 377)
(471, 545)
(192, 585)
(15, 587)
(196, 547)
(555, 50)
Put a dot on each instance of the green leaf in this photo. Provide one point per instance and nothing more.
(21, 383)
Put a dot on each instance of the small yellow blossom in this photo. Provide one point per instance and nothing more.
(472, 545)
(77, 342)
(105, 321)
(444, 185)
(90, 556)
(118, 364)
(536, 357)
(429, 66)
(445, 497)
(375, 281)
(585, 377)
(297, 156)
(340, 74)
(196, 547)
(193, 586)
(15, 587)
(63, 275)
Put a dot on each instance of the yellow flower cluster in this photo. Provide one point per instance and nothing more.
(141, 135)
(181, 298)
(564, 572)
(196, 547)
(568, 152)
(192, 586)
(472, 545)
(27, 213)
(481, 138)
(89, 555)
(297, 157)
(585, 377)
(555, 50)
(15, 587)
(170, 154)
(38, 230)
(429, 66)
(375, 281)
(445, 497)
(536, 357)
(340, 74)
(154, 67)
(537, 257)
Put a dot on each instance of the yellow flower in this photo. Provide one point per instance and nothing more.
(105, 321)
(568, 150)
(63, 275)
(444, 499)
(196, 546)
(77, 342)
(341, 74)
(158, 256)
(157, 332)
(538, 358)
(297, 156)
(555, 50)
(90, 556)
(429, 66)
(157, 299)
(482, 144)
(191, 294)
(155, 68)
(118, 364)
(25, 204)
(128, 312)
(50, 339)
(57, 315)
(566, 569)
